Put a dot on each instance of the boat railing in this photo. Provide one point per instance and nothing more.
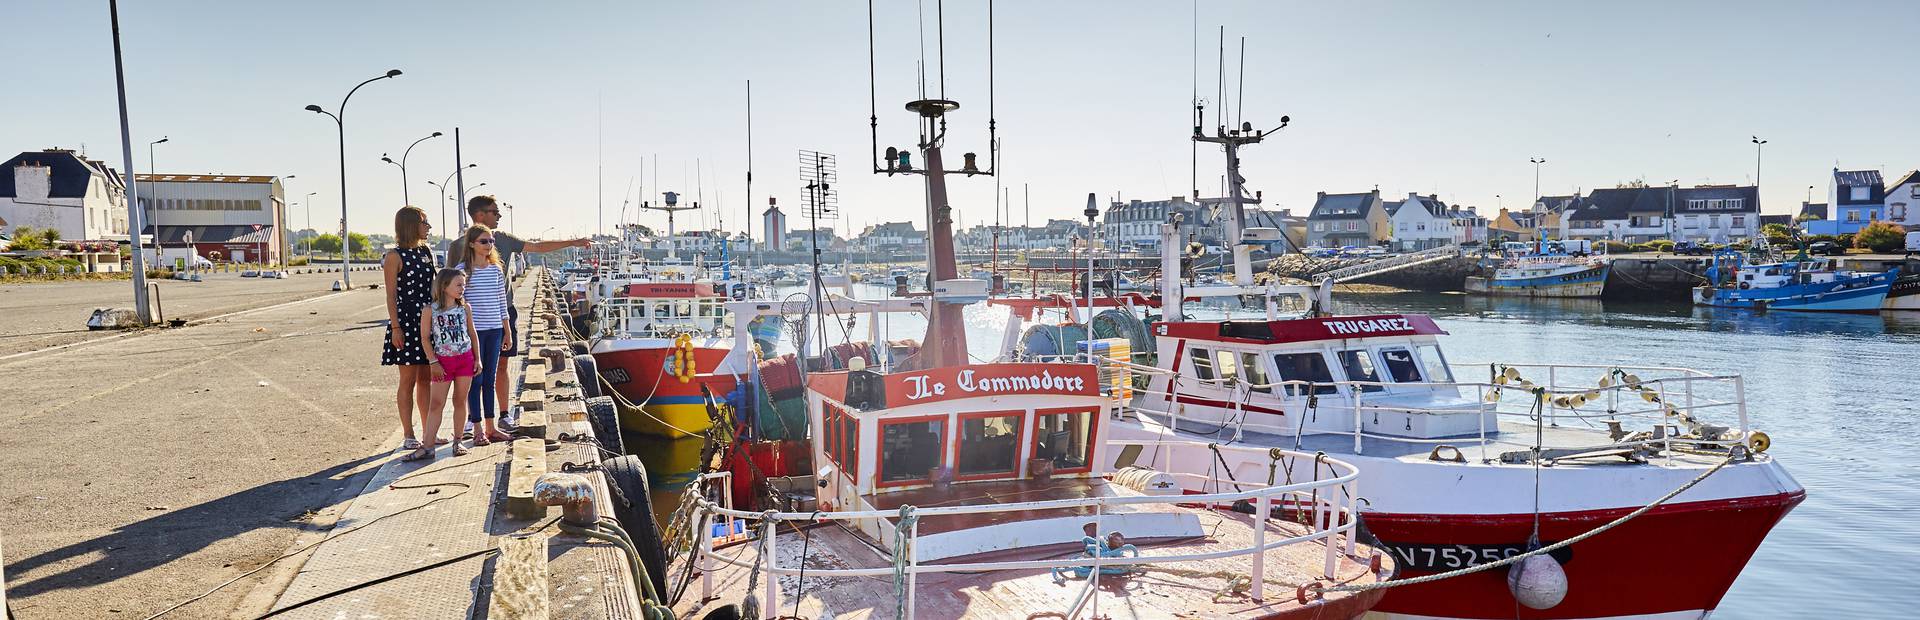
(1676, 403)
(1331, 503)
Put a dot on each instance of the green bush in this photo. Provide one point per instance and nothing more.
(1844, 239)
(1641, 247)
(1881, 237)
(1616, 247)
(1661, 245)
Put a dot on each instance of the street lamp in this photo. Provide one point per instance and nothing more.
(340, 123)
(153, 202)
(442, 186)
(1757, 143)
(309, 203)
(1536, 161)
(405, 196)
(463, 195)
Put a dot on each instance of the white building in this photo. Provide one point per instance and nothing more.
(242, 218)
(57, 188)
(1419, 222)
(1468, 226)
(774, 223)
(1903, 201)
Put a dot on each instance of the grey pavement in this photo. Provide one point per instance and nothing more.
(46, 314)
(140, 471)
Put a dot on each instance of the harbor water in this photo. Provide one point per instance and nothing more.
(1835, 392)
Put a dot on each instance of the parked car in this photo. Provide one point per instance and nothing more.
(1691, 248)
(1827, 248)
(1913, 243)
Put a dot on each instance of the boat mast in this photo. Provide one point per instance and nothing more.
(672, 206)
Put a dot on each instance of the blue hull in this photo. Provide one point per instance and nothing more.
(1861, 294)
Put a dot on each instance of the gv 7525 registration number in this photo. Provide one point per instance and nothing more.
(1454, 557)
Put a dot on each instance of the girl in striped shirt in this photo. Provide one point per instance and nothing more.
(486, 296)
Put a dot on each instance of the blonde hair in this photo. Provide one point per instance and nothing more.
(441, 279)
(466, 248)
(406, 227)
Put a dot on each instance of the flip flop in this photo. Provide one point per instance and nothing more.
(419, 454)
(410, 444)
(480, 440)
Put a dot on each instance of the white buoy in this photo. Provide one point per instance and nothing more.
(1537, 582)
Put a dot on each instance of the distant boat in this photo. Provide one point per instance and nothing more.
(1801, 285)
(1544, 276)
(1905, 293)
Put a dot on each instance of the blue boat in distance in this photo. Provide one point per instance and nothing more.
(1552, 271)
(1800, 285)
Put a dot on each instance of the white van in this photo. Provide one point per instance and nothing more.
(1913, 242)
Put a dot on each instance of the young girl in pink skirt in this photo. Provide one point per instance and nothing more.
(448, 326)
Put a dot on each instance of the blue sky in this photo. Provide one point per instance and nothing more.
(1446, 98)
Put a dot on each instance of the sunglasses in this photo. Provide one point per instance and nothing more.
(484, 241)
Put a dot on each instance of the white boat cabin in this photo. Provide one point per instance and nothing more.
(662, 310)
(1005, 433)
(1284, 376)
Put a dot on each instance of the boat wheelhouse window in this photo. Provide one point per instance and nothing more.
(911, 448)
(989, 444)
(1202, 364)
(1065, 437)
(841, 434)
(660, 310)
(1305, 367)
(1254, 373)
(1228, 366)
(1436, 364)
(1358, 365)
(682, 309)
(1402, 366)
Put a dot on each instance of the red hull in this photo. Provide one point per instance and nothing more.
(1692, 550)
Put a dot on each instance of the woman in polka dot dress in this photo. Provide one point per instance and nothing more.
(409, 269)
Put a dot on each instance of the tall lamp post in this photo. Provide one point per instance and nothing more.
(282, 223)
(405, 196)
(442, 186)
(463, 193)
(1536, 161)
(339, 121)
(153, 202)
(1757, 143)
(309, 203)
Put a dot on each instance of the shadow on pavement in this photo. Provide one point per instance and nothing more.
(149, 543)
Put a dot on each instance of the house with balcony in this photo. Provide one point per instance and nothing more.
(1347, 219)
(1854, 198)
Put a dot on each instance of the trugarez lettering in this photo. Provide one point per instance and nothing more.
(1369, 326)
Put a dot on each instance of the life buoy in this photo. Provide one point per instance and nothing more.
(1746, 285)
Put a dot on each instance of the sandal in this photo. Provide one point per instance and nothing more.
(480, 440)
(499, 436)
(410, 444)
(439, 441)
(419, 454)
(459, 450)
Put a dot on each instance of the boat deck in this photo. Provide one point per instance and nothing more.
(1199, 589)
(996, 492)
(1512, 437)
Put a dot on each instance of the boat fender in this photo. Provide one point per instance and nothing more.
(1746, 285)
(683, 358)
(1759, 442)
(1538, 582)
(588, 372)
(604, 417)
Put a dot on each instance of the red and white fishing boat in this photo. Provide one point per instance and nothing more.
(1656, 472)
(944, 488)
(657, 328)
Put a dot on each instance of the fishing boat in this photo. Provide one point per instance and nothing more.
(1801, 284)
(1539, 491)
(1543, 275)
(945, 487)
(1904, 294)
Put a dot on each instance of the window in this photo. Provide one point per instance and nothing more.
(1916, 191)
(1358, 365)
(1897, 211)
(1202, 364)
(1853, 216)
(1319, 226)
(1228, 366)
(1254, 373)
(842, 438)
(1401, 366)
(1064, 436)
(1310, 367)
(1735, 203)
(910, 448)
(1696, 205)
(1353, 226)
(1859, 193)
(1436, 364)
(1713, 221)
(989, 445)
(1739, 221)
(662, 310)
